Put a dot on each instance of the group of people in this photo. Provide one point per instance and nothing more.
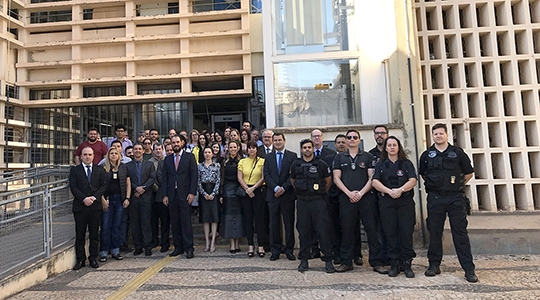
(249, 188)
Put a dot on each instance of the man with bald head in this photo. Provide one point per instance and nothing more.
(87, 182)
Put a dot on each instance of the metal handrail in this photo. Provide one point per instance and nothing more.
(33, 187)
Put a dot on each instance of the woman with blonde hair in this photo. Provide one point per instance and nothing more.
(115, 199)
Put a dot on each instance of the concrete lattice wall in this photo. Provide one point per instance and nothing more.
(480, 66)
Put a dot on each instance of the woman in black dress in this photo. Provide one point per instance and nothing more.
(232, 223)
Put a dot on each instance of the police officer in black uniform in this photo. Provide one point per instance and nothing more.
(395, 179)
(311, 179)
(446, 169)
(352, 171)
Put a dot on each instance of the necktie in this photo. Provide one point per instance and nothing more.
(139, 172)
(89, 173)
(176, 161)
(267, 150)
(317, 153)
(279, 160)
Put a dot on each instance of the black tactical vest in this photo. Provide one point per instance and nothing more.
(309, 179)
(443, 170)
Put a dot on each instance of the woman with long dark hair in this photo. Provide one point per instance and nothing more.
(201, 144)
(232, 225)
(395, 179)
(115, 199)
(250, 177)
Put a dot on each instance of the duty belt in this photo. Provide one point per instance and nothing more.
(309, 198)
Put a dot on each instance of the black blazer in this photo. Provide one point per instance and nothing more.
(148, 177)
(273, 178)
(325, 152)
(261, 151)
(81, 188)
(185, 177)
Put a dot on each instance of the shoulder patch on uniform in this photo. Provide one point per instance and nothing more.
(432, 154)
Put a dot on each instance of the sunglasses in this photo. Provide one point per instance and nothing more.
(148, 143)
(354, 137)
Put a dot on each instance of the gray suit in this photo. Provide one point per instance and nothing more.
(140, 208)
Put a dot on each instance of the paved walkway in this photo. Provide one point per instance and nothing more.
(222, 275)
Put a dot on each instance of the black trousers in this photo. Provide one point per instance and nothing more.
(336, 232)
(381, 234)
(313, 220)
(365, 210)
(277, 209)
(91, 219)
(438, 207)
(161, 224)
(255, 211)
(140, 216)
(182, 228)
(398, 218)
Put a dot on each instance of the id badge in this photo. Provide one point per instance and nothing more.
(115, 176)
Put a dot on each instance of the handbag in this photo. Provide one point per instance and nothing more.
(240, 192)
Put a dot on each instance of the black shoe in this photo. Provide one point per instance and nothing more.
(407, 269)
(189, 254)
(262, 254)
(176, 252)
(432, 271)
(164, 249)
(329, 267)
(94, 264)
(233, 251)
(303, 266)
(290, 256)
(274, 257)
(471, 276)
(394, 269)
(78, 265)
(137, 251)
(380, 270)
(358, 261)
(117, 256)
(251, 254)
(343, 268)
(148, 252)
(103, 259)
(238, 250)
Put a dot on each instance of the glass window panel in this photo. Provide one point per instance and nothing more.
(307, 26)
(316, 93)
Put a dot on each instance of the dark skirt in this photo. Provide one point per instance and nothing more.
(231, 222)
(208, 209)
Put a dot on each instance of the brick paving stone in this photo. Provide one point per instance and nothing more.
(222, 275)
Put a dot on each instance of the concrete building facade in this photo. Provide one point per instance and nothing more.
(293, 65)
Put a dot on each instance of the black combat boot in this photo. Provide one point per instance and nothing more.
(407, 268)
(394, 268)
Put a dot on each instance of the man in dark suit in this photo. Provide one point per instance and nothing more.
(142, 174)
(318, 149)
(280, 196)
(178, 187)
(88, 182)
(267, 146)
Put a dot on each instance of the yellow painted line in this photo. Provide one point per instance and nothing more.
(140, 279)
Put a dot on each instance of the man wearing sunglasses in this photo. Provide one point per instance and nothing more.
(352, 171)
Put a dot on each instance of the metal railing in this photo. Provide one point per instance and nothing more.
(34, 220)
